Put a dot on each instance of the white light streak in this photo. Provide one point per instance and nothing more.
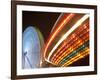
(78, 23)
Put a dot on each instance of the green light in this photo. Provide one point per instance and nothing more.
(74, 53)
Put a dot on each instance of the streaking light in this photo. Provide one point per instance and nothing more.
(65, 21)
(77, 57)
(67, 33)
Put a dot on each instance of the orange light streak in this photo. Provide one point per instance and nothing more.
(73, 28)
(74, 46)
(65, 21)
(67, 52)
(77, 57)
(61, 49)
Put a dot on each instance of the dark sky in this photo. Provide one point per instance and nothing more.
(44, 21)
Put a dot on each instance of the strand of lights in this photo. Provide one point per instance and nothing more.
(67, 52)
(67, 33)
(65, 21)
(78, 32)
(74, 53)
(84, 33)
(71, 38)
(69, 57)
(74, 45)
(77, 57)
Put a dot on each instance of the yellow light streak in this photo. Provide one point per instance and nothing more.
(74, 46)
(58, 30)
(67, 52)
(77, 57)
(67, 33)
(73, 36)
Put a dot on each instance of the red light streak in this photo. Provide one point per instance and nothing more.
(65, 21)
(81, 30)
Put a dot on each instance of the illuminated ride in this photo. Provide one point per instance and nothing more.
(69, 40)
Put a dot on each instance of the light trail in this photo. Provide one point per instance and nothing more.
(77, 57)
(77, 42)
(74, 53)
(66, 53)
(67, 33)
(65, 21)
(85, 37)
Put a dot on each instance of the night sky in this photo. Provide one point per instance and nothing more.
(44, 21)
